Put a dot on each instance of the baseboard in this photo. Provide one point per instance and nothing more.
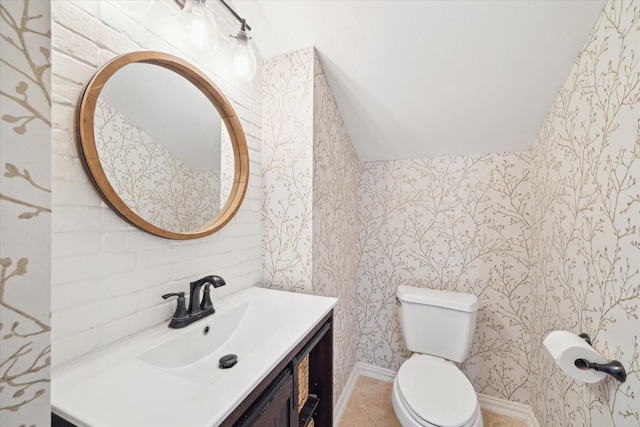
(360, 369)
(499, 406)
(343, 399)
(375, 372)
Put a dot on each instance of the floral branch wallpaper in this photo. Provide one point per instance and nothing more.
(585, 245)
(336, 176)
(287, 165)
(548, 239)
(151, 180)
(458, 224)
(25, 212)
(310, 179)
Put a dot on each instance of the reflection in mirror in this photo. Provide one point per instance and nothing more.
(165, 162)
(162, 145)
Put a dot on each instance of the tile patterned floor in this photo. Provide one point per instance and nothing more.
(370, 406)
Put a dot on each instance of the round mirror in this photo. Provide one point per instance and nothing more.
(162, 145)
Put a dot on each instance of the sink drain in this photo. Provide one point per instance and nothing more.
(227, 361)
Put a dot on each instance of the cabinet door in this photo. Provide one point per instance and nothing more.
(278, 412)
(274, 408)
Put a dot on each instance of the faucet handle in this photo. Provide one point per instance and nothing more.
(206, 299)
(181, 309)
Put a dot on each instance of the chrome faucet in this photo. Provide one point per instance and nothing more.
(197, 308)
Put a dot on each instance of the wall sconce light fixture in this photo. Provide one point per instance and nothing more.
(244, 61)
(203, 33)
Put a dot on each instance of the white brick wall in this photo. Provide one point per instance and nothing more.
(108, 277)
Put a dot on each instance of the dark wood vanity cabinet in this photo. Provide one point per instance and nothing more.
(274, 402)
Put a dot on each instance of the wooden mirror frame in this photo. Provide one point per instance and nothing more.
(88, 153)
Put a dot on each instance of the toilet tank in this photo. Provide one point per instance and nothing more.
(440, 323)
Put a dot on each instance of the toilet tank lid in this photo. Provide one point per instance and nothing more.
(447, 299)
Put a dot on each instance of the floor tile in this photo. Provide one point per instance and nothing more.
(370, 406)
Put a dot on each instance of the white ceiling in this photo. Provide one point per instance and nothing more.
(416, 79)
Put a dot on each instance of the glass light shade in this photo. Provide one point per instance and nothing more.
(202, 28)
(244, 61)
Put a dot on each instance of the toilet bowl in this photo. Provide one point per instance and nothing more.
(430, 391)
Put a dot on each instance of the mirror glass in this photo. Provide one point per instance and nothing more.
(160, 143)
(166, 148)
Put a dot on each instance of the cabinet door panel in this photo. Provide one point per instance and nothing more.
(278, 413)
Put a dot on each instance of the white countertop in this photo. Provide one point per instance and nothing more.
(118, 388)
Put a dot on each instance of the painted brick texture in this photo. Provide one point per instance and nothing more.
(107, 275)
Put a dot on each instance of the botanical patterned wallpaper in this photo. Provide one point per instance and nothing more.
(25, 214)
(457, 224)
(336, 176)
(287, 165)
(585, 246)
(548, 239)
(150, 179)
(310, 178)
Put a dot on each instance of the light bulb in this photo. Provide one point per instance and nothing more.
(201, 26)
(244, 60)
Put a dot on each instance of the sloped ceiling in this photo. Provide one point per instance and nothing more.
(415, 79)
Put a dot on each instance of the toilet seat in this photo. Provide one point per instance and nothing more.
(436, 392)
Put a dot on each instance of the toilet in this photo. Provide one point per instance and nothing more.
(429, 389)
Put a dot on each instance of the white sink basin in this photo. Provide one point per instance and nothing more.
(197, 342)
(170, 377)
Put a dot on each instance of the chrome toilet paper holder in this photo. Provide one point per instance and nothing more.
(613, 368)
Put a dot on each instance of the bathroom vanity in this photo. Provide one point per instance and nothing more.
(167, 377)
